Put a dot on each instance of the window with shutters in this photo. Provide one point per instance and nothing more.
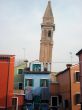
(29, 82)
(44, 82)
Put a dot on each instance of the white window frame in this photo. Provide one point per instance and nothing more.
(57, 100)
(75, 77)
(76, 94)
(17, 102)
(36, 70)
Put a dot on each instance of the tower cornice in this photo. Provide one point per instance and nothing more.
(48, 25)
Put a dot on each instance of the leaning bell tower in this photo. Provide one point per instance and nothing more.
(46, 42)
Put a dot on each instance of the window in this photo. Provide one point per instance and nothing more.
(66, 103)
(49, 33)
(20, 71)
(20, 86)
(60, 98)
(54, 101)
(14, 103)
(43, 82)
(77, 76)
(77, 98)
(36, 67)
(28, 82)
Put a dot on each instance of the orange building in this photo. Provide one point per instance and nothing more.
(80, 64)
(6, 81)
(18, 100)
(69, 88)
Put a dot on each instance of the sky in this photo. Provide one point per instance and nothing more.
(20, 29)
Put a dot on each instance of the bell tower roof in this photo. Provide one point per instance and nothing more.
(48, 15)
(48, 12)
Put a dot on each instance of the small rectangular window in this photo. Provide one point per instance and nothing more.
(44, 83)
(54, 101)
(66, 103)
(77, 76)
(77, 99)
(20, 71)
(20, 86)
(28, 82)
(49, 33)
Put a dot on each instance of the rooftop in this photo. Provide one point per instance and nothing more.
(37, 72)
(80, 52)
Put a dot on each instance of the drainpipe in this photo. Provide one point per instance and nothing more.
(70, 89)
(69, 67)
(26, 61)
(80, 64)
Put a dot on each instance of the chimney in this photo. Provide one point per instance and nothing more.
(26, 61)
(68, 65)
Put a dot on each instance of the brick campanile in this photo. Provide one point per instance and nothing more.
(46, 42)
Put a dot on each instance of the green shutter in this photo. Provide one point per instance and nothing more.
(47, 82)
(32, 82)
(25, 82)
(40, 82)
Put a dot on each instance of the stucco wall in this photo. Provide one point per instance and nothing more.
(18, 77)
(75, 87)
(36, 78)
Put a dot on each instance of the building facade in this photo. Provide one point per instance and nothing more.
(69, 88)
(80, 64)
(6, 81)
(36, 85)
(18, 100)
(19, 76)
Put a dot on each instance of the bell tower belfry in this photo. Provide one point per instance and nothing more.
(46, 42)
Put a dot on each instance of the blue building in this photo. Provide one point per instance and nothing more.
(37, 76)
(36, 84)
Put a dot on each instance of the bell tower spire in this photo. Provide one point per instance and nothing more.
(48, 15)
(46, 42)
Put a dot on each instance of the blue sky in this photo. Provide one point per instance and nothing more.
(20, 28)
